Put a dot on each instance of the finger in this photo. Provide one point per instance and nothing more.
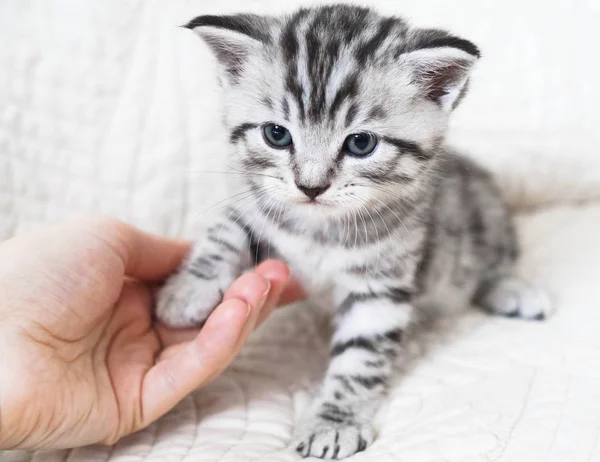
(199, 361)
(252, 287)
(172, 351)
(247, 287)
(278, 275)
(292, 293)
(170, 336)
(194, 363)
(275, 270)
(145, 256)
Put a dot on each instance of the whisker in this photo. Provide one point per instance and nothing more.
(346, 229)
(241, 213)
(245, 172)
(247, 195)
(225, 200)
(355, 229)
(235, 210)
(400, 203)
(255, 220)
(389, 234)
(273, 203)
(363, 219)
(401, 222)
(338, 226)
(342, 228)
(219, 240)
(378, 241)
(281, 205)
(220, 172)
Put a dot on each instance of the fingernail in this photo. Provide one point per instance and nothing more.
(264, 296)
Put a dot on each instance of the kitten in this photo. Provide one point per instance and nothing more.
(338, 116)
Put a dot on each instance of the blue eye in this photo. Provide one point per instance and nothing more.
(277, 136)
(360, 144)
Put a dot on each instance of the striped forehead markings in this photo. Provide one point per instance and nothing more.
(323, 49)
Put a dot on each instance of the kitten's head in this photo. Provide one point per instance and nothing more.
(335, 109)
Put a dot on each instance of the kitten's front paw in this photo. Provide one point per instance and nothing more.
(331, 437)
(187, 300)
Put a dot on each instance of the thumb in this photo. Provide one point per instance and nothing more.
(187, 366)
(195, 363)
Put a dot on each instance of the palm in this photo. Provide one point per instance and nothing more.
(95, 376)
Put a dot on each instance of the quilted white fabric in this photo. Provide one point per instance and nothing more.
(106, 106)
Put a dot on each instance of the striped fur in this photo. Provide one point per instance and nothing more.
(411, 227)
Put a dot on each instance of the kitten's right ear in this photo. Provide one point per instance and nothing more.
(233, 39)
(440, 64)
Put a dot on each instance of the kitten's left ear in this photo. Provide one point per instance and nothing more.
(233, 39)
(440, 64)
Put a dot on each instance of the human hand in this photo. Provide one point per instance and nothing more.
(81, 361)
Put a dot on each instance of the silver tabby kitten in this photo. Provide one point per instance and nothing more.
(339, 116)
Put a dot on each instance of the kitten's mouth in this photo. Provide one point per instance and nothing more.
(316, 203)
(313, 203)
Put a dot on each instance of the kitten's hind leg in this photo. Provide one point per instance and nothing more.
(512, 297)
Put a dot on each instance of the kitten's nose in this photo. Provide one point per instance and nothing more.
(312, 193)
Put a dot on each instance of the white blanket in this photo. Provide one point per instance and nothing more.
(106, 106)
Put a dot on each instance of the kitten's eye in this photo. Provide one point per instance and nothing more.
(360, 144)
(277, 136)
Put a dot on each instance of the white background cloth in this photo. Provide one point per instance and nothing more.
(106, 106)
